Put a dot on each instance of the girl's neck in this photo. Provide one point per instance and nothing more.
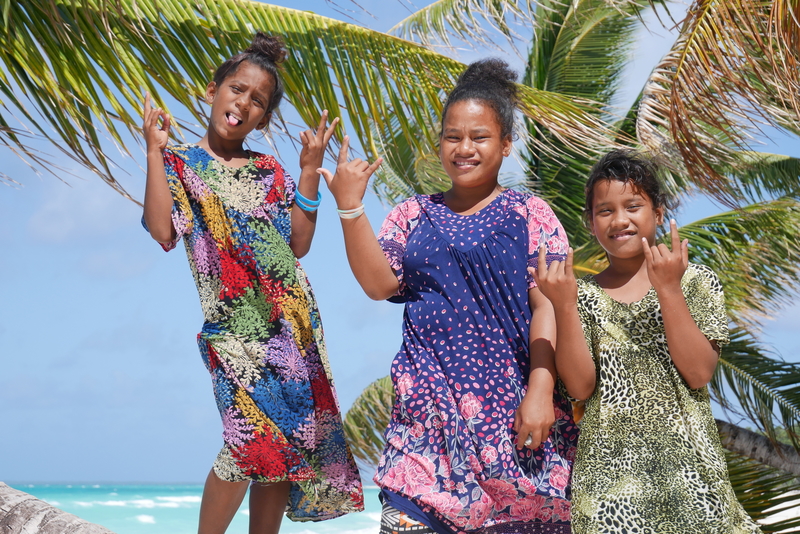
(625, 280)
(229, 153)
(467, 201)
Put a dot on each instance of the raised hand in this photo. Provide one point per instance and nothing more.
(155, 137)
(665, 267)
(349, 183)
(315, 142)
(557, 280)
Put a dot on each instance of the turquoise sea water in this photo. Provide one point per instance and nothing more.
(166, 509)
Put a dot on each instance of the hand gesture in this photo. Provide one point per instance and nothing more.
(557, 280)
(155, 137)
(665, 267)
(349, 183)
(315, 142)
(534, 419)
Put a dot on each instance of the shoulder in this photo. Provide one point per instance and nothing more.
(409, 208)
(701, 274)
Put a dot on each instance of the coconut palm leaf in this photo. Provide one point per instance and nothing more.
(367, 419)
(735, 63)
(84, 66)
(764, 387)
(764, 492)
(755, 251)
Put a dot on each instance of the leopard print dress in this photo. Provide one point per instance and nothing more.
(649, 457)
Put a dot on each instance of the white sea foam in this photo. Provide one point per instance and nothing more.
(375, 516)
(191, 499)
(163, 502)
(149, 519)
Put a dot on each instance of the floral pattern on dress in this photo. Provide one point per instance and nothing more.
(463, 367)
(262, 339)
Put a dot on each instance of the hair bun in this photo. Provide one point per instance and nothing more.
(269, 46)
(491, 71)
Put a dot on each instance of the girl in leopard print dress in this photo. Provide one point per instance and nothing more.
(640, 342)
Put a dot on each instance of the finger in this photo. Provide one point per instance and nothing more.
(147, 105)
(303, 138)
(343, 150)
(167, 122)
(327, 175)
(329, 132)
(648, 253)
(685, 252)
(374, 167)
(676, 240)
(323, 120)
(568, 263)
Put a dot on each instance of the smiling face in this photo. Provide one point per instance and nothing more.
(239, 103)
(621, 216)
(472, 147)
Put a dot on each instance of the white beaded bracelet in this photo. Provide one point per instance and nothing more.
(351, 214)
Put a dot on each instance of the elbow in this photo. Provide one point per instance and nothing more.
(377, 293)
(581, 393)
(698, 380)
(300, 251)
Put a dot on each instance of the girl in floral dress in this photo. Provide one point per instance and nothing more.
(479, 439)
(640, 341)
(244, 224)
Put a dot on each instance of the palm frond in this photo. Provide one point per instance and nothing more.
(755, 251)
(367, 419)
(759, 176)
(765, 387)
(84, 66)
(764, 492)
(736, 64)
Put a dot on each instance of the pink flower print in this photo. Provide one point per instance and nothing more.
(555, 245)
(561, 510)
(479, 511)
(445, 466)
(448, 485)
(404, 383)
(461, 487)
(488, 454)
(523, 510)
(413, 475)
(474, 464)
(469, 405)
(502, 493)
(417, 430)
(570, 454)
(396, 442)
(339, 475)
(559, 476)
(446, 504)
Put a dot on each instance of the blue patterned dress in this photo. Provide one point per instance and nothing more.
(262, 336)
(462, 371)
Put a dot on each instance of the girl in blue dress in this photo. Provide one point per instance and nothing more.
(479, 438)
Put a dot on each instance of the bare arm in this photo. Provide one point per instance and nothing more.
(304, 223)
(367, 261)
(157, 197)
(535, 415)
(573, 359)
(694, 355)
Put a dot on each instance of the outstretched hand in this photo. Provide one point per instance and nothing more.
(155, 137)
(665, 267)
(315, 142)
(349, 183)
(557, 280)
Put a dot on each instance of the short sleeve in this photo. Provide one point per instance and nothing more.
(182, 218)
(393, 237)
(544, 227)
(705, 299)
(584, 296)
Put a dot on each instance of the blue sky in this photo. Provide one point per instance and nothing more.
(101, 378)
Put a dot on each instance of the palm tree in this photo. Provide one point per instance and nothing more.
(74, 69)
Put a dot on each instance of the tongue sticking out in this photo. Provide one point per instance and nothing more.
(232, 121)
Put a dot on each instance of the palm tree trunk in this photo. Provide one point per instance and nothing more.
(759, 448)
(21, 513)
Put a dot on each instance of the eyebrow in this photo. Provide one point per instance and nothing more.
(478, 130)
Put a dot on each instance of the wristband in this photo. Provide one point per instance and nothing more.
(351, 214)
(305, 204)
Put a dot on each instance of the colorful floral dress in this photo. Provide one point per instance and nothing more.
(649, 457)
(463, 369)
(262, 337)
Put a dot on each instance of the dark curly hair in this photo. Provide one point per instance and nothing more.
(628, 167)
(266, 52)
(490, 81)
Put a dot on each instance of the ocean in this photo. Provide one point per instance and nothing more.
(174, 509)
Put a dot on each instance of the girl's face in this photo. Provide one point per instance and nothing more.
(622, 215)
(239, 103)
(472, 147)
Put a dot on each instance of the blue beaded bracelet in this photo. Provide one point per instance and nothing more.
(305, 204)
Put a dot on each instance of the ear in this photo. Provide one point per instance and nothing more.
(659, 215)
(264, 121)
(211, 92)
(507, 145)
